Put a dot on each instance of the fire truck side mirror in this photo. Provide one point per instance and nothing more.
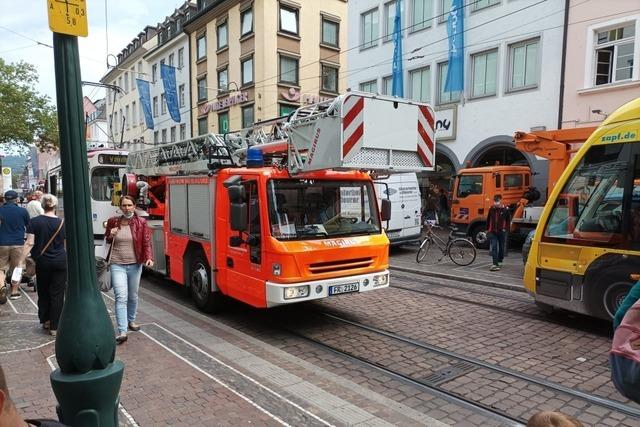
(385, 211)
(237, 194)
(238, 216)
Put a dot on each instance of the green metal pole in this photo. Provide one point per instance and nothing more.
(87, 384)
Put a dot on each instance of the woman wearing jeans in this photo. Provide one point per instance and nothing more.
(130, 250)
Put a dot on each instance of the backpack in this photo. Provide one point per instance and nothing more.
(625, 354)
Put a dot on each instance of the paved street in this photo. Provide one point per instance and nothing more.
(427, 351)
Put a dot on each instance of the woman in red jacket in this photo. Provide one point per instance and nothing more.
(130, 250)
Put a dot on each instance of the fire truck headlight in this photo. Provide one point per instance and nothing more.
(296, 292)
(276, 269)
(380, 279)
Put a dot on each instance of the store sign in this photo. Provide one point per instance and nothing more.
(294, 95)
(224, 103)
(446, 122)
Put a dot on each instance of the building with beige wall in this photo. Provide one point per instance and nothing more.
(256, 60)
(602, 62)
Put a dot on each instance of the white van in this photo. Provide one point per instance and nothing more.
(404, 193)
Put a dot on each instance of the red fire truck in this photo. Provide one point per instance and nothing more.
(286, 210)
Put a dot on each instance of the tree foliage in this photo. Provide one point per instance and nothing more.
(26, 116)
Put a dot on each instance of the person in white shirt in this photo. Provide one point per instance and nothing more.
(34, 207)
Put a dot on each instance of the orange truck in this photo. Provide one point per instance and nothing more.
(285, 211)
(474, 188)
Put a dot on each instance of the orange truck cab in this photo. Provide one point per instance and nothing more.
(473, 192)
(237, 215)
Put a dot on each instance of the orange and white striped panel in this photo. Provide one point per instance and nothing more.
(426, 132)
(352, 123)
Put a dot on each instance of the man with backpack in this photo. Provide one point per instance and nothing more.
(498, 223)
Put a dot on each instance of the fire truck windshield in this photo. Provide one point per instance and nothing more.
(305, 209)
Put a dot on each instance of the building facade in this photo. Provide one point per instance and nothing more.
(512, 52)
(256, 60)
(97, 127)
(602, 64)
(125, 118)
(172, 49)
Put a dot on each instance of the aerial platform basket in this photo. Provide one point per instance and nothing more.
(365, 131)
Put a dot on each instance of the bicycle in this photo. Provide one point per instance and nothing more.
(461, 251)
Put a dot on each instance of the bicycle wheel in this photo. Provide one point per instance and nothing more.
(427, 251)
(462, 252)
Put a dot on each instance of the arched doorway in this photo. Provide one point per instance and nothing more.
(444, 171)
(501, 155)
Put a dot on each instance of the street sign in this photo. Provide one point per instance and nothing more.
(68, 17)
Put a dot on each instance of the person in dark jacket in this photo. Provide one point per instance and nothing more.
(130, 241)
(45, 242)
(13, 222)
(498, 223)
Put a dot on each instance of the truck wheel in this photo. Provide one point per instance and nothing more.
(610, 291)
(478, 234)
(200, 285)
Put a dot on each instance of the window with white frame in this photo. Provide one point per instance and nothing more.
(171, 59)
(134, 114)
(223, 36)
(329, 78)
(419, 84)
(203, 126)
(246, 22)
(155, 106)
(202, 89)
(614, 54)
(183, 132)
(163, 104)
(173, 134)
(181, 96)
(164, 135)
(133, 78)
(484, 73)
(288, 19)
(370, 28)
(126, 82)
(201, 47)
(330, 31)
(481, 4)
(180, 57)
(223, 80)
(445, 97)
(523, 64)
(370, 86)
(445, 8)
(288, 70)
(156, 137)
(126, 112)
(421, 14)
(246, 67)
(387, 85)
(389, 17)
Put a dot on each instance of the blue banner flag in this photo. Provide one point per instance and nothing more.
(455, 31)
(397, 84)
(168, 74)
(145, 101)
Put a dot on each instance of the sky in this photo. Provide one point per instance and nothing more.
(126, 18)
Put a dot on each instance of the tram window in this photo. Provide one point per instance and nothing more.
(589, 208)
(469, 184)
(102, 180)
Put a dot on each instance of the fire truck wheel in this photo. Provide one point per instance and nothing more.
(200, 285)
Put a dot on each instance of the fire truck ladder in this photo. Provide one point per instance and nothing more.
(191, 156)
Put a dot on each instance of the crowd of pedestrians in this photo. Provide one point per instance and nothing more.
(34, 232)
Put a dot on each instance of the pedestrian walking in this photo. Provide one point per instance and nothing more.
(498, 222)
(13, 222)
(45, 242)
(553, 419)
(34, 207)
(443, 202)
(130, 250)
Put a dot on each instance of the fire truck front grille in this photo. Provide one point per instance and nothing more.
(344, 264)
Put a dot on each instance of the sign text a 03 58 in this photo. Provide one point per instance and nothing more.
(68, 17)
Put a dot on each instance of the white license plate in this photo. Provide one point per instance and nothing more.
(344, 289)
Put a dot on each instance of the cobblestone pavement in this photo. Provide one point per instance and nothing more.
(246, 367)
